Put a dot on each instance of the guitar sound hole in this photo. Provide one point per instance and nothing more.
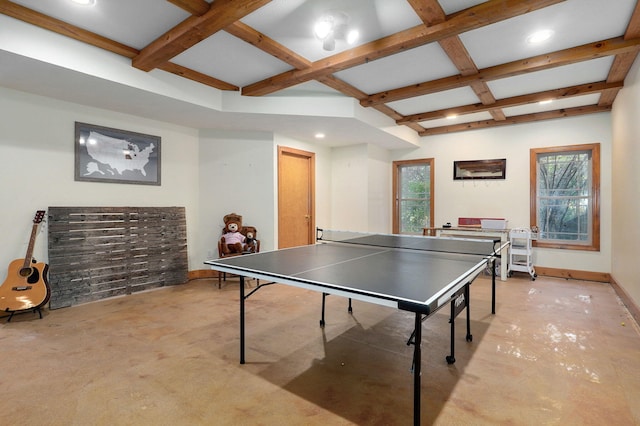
(32, 274)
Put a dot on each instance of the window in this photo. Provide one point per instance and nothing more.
(565, 192)
(412, 195)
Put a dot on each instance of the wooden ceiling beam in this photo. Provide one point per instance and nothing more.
(459, 55)
(633, 29)
(569, 56)
(60, 27)
(622, 63)
(209, 18)
(342, 86)
(461, 58)
(41, 20)
(430, 12)
(349, 90)
(619, 69)
(197, 76)
(472, 18)
(193, 30)
(194, 7)
(272, 47)
(481, 89)
(267, 44)
(607, 97)
(563, 93)
(519, 119)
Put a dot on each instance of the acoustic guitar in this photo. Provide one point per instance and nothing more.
(26, 286)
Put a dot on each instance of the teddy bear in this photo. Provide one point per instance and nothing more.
(251, 243)
(232, 240)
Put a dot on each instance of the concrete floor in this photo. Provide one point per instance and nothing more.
(557, 352)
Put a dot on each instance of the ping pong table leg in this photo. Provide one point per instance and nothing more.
(493, 286)
(324, 298)
(241, 319)
(417, 363)
(468, 299)
(452, 320)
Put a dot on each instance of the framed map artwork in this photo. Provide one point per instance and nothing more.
(104, 154)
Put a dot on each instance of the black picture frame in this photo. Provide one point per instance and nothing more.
(105, 154)
(480, 169)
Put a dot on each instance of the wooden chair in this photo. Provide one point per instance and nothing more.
(222, 276)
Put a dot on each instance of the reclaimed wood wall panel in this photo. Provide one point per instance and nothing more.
(101, 252)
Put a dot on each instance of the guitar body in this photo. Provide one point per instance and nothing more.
(25, 287)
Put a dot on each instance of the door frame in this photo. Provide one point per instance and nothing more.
(311, 156)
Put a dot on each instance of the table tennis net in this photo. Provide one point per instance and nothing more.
(482, 247)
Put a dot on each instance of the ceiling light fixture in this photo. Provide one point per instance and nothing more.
(85, 2)
(539, 36)
(319, 135)
(547, 101)
(333, 26)
(323, 27)
(353, 36)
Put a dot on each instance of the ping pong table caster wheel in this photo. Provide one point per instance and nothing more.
(469, 338)
(450, 359)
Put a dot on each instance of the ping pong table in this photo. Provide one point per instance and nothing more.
(412, 273)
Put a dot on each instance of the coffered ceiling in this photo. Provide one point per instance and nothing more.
(432, 66)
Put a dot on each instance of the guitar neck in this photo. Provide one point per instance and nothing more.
(32, 240)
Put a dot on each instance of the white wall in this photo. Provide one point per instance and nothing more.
(210, 173)
(509, 198)
(379, 190)
(349, 188)
(361, 189)
(213, 173)
(37, 168)
(236, 175)
(238, 172)
(626, 186)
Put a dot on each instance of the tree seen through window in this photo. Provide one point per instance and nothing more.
(565, 196)
(413, 196)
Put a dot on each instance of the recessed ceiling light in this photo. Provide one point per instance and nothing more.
(85, 2)
(320, 135)
(539, 36)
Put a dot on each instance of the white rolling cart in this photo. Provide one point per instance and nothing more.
(521, 251)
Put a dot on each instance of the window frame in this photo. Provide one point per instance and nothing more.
(594, 244)
(396, 181)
